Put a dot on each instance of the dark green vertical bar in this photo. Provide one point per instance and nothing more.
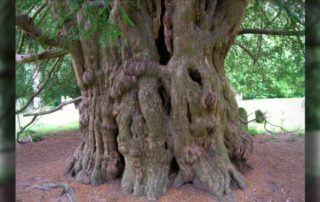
(312, 100)
(7, 100)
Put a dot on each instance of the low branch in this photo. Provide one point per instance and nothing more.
(65, 186)
(24, 128)
(26, 23)
(272, 32)
(56, 108)
(47, 54)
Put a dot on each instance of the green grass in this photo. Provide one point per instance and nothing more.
(45, 128)
(258, 129)
(253, 131)
(39, 130)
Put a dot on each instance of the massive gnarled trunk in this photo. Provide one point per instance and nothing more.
(157, 108)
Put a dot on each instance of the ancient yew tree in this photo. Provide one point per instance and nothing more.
(156, 106)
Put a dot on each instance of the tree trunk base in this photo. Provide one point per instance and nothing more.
(86, 169)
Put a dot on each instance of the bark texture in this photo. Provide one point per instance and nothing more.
(157, 108)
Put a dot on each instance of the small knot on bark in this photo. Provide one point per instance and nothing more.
(135, 152)
(209, 100)
(193, 154)
(84, 117)
(88, 78)
(123, 83)
(123, 149)
(116, 109)
(134, 67)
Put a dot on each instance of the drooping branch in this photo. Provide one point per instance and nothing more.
(56, 108)
(26, 23)
(47, 54)
(21, 42)
(24, 128)
(245, 49)
(272, 32)
(55, 64)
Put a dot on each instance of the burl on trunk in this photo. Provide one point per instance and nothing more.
(157, 108)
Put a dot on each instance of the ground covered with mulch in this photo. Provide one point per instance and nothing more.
(277, 174)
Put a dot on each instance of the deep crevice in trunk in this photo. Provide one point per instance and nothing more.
(165, 99)
(189, 113)
(174, 167)
(160, 41)
(195, 76)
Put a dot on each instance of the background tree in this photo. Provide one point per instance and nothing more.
(269, 64)
(156, 105)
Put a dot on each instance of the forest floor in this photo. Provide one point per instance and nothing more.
(277, 175)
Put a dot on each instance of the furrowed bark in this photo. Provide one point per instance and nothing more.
(156, 105)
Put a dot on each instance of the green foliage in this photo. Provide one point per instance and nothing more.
(100, 25)
(243, 113)
(260, 117)
(253, 131)
(261, 66)
(34, 135)
(23, 82)
(126, 18)
(63, 84)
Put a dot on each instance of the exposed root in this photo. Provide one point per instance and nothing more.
(88, 170)
(65, 186)
(217, 175)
